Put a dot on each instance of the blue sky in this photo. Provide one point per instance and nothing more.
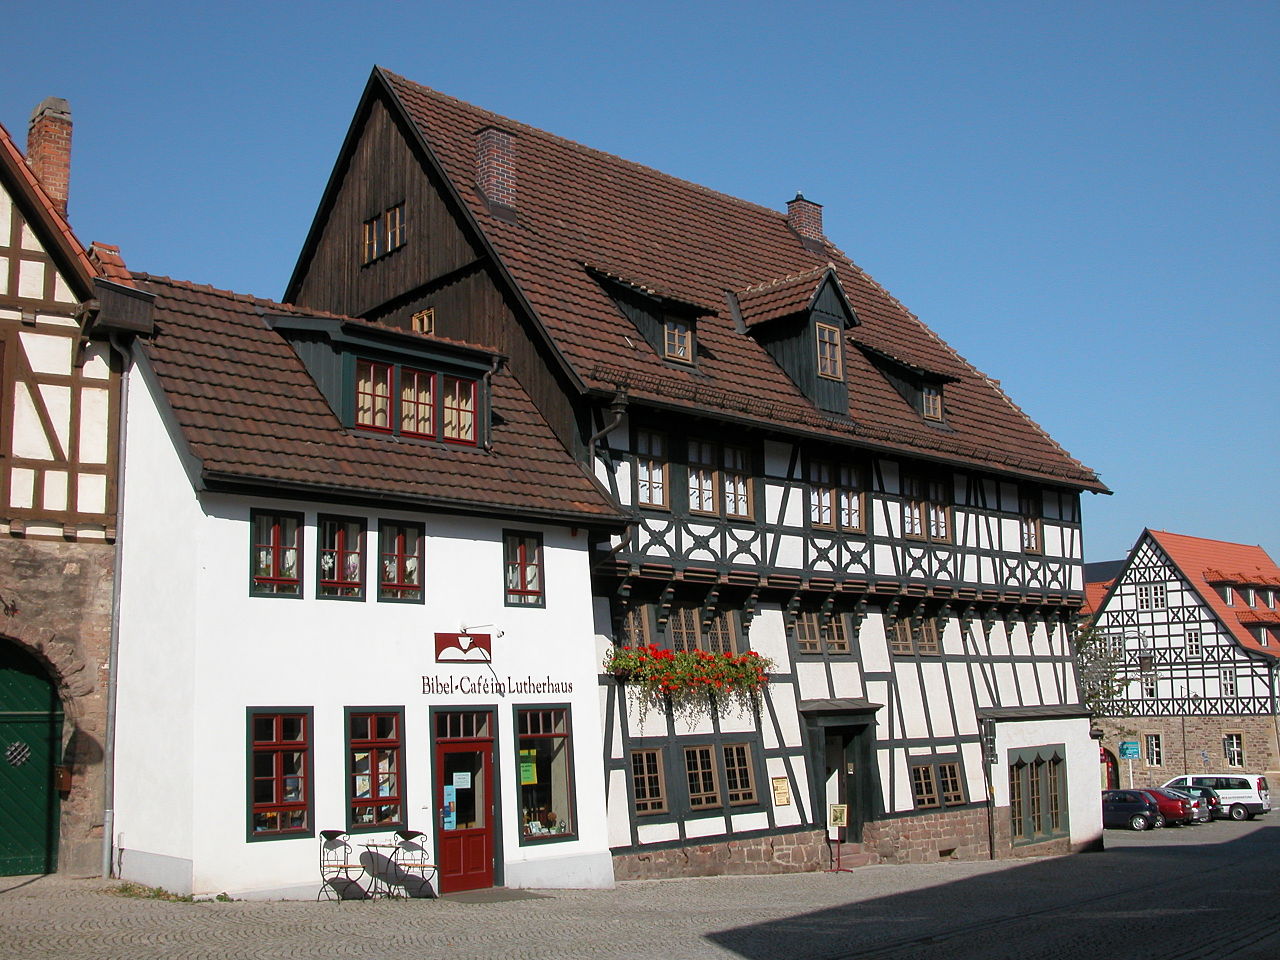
(1080, 197)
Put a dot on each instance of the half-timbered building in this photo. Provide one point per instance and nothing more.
(809, 473)
(59, 399)
(1194, 627)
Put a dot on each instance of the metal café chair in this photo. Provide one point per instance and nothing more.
(413, 867)
(336, 866)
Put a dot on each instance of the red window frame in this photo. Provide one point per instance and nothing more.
(384, 770)
(275, 582)
(524, 581)
(279, 773)
(411, 409)
(346, 558)
(395, 559)
(379, 373)
(465, 431)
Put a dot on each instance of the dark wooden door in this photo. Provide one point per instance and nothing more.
(465, 801)
(30, 741)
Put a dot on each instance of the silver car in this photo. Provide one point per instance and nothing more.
(1200, 812)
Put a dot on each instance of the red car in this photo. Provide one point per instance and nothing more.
(1173, 808)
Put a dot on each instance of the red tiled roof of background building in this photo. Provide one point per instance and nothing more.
(250, 412)
(1201, 562)
(575, 206)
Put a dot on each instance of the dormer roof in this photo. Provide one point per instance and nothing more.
(791, 295)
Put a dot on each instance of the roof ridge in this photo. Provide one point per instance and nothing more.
(578, 145)
(790, 278)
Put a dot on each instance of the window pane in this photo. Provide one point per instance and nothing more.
(459, 410)
(417, 403)
(546, 789)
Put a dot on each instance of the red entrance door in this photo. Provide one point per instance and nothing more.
(464, 799)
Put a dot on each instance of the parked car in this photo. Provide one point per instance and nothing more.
(1174, 808)
(1199, 807)
(1244, 795)
(1130, 808)
(1209, 797)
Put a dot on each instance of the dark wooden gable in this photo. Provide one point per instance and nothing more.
(792, 342)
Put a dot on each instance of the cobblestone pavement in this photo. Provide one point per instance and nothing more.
(1192, 892)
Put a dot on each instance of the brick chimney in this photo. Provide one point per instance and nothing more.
(496, 166)
(49, 149)
(805, 217)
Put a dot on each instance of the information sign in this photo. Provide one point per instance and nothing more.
(1129, 750)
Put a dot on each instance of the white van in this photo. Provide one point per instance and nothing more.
(1243, 795)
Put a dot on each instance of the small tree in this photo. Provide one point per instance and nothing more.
(1100, 673)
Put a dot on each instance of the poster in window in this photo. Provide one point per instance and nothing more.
(450, 812)
(528, 768)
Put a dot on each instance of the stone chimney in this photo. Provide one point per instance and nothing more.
(496, 167)
(49, 149)
(805, 217)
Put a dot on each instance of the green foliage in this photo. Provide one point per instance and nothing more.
(140, 891)
(1100, 672)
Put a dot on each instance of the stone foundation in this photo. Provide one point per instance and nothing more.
(928, 837)
(1186, 741)
(62, 595)
(801, 852)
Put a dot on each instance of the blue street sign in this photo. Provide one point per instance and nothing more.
(1129, 750)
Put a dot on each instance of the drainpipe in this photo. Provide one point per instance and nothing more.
(494, 366)
(109, 746)
(618, 407)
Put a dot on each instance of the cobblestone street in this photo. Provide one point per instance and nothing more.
(1204, 892)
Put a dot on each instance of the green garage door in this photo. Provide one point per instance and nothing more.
(30, 739)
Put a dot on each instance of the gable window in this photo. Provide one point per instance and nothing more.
(546, 776)
(277, 553)
(375, 778)
(817, 632)
(279, 773)
(677, 340)
(687, 630)
(523, 559)
(424, 321)
(1228, 681)
(400, 566)
(1192, 640)
(340, 558)
(648, 785)
(926, 509)
(1151, 596)
(651, 469)
(829, 357)
(931, 401)
(383, 233)
(1029, 513)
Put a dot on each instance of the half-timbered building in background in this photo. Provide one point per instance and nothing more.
(58, 434)
(808, 471)
(1195, 627)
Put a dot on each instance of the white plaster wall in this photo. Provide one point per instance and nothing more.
(1083, 802)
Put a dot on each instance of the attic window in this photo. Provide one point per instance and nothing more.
(398, 399)
(931, 401)
(424, 321)
(383, 233)
(829, 352)
(677, 340)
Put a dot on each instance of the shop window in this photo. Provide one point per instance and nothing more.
(279, 773)
(522, 555)
(277, 553)
(651, 469)
(400, 561)
(546, 774)
(1037, 794)
(375, 775)
(648, 782)
(818, 632)
(340, 558)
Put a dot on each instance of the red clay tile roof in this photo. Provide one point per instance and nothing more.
(252, 414)
(1199, 560)
(779, 298)
(1094, 594)
(578, 206)
(58, 232)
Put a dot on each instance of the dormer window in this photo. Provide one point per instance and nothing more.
(931, 402)
(398, 399)
(383, 233)
(677, 340)
(829, 359)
